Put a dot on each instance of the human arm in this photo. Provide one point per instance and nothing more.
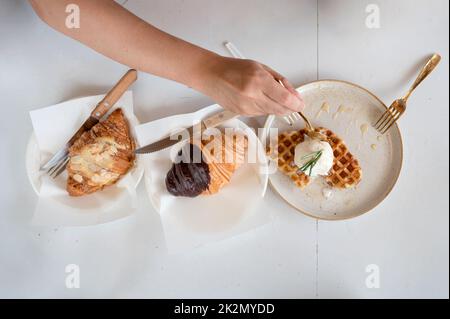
(243, 86)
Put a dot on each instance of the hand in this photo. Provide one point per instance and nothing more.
(243, 86)
(250, 88)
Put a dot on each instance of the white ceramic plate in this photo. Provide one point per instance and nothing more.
(54, 206)
(190, 222)
(208, 213)
(352, 110)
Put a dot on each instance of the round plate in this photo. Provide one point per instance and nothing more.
(348, 110)
(218, 211)
(190, 222)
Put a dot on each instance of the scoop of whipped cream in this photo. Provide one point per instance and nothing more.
(304, 153)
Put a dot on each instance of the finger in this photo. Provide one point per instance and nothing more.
(271, 106)
(277, 76)
(282, 96)
(288, 86)
(291, 89)
(280, 78)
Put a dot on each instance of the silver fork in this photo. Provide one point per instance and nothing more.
(398, 107)
(57, 168)
(57, 164)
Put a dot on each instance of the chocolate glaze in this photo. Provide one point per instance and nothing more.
(186, 178)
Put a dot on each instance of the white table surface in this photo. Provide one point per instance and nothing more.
(407, 236)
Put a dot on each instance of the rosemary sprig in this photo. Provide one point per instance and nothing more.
(313, 159)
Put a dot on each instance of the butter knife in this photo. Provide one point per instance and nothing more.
(99, 111)
(210, 122)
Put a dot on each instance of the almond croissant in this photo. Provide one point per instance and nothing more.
(100, 156)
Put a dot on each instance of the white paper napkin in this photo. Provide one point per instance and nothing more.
(192, 222)
(53, 126)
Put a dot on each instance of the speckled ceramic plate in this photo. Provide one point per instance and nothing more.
(348, 110)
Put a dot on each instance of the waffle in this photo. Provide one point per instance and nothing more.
(284, 153)
(345, 173)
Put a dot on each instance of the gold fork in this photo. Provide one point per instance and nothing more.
(398, 107)
(297, 116)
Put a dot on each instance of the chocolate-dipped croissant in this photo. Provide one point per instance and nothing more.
(206, 166)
